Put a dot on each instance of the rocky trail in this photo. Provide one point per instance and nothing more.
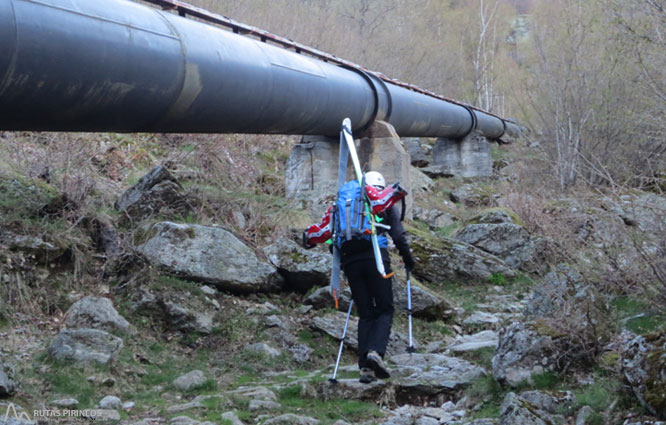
(185, 321)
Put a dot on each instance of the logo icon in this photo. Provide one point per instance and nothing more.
(22, 416)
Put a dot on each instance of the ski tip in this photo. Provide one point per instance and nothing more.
(346, 125)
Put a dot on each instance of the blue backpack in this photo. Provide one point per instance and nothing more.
(351, 222)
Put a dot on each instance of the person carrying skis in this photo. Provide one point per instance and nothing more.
(372, 292)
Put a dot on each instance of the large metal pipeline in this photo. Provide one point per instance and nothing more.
(116, 65)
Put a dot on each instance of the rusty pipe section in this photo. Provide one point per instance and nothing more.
(116, 65)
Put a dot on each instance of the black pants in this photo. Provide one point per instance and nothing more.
(373, 296)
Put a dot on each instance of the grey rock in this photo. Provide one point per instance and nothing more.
(189, 381)
(186, 320)
(208, 290)
(173, 313)
(65, 403)
(643, 367)
(515, 410)
(256, 405)
(425, 303)
(42, 250)
(207, 254)
(333, 323)
(253, 393)
(507, 240)
(420, 181)
(549, 296)
(153, 194)
(299, 351)
(418, 156)
(177, 408)
(232, 417)
(433, 373)
(85, 345)
(481, 318)
(302, 269)
(523, 351)
(274, 321)
(551, 401)
(263, 349)
(471, 196)
(8, 383)
(186, 420)
(485, 421)
(563, 293)
(439, 259)
(102, 415)
(322, 298)
(584, 414)
(483, 339)
(110, 402)
(304, 309)
(434, 218)
(341, 422)
(128, 405)
(95, 313)
(348, 389)
(291, 419)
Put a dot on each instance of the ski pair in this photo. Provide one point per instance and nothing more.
(347, 150)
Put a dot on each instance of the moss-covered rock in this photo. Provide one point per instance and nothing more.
(644, 370)
(440, 259)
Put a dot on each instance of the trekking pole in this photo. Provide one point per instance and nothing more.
(410, 349)
(344, 334)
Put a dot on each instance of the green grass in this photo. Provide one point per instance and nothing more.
(487, 390)
(498, 279)
(483, 357)
(66, 380)
(599, 395)
(329, 411)
(642, 319)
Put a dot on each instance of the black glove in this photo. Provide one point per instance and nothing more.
(306, 244)
(409, 262)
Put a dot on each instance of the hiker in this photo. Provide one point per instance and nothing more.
(372, 293)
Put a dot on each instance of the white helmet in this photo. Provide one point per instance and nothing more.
(373, 178)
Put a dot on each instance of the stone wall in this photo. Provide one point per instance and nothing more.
(469, 157)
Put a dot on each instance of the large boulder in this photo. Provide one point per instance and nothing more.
(42, 248)
(85, 346)
(516, 410)
(155, 193)
(472, 195)
(643, 366)
(439, 259)
(206, 254)
(527, 349)
(425, 304)
(302, 269)
(433, 373)
(570, 305)
(8, 383)
(433, 217)
(95, 313)
(333, 324)
(498, 233)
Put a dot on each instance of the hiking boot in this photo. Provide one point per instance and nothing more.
(377, 364)
(367, 376)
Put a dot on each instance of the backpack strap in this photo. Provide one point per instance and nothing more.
(404, 208)
(348, 219)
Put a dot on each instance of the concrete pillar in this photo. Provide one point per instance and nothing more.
(380, 149)
(469, 157)
(312, 166)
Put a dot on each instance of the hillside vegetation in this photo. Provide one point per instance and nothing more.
(540, 290)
